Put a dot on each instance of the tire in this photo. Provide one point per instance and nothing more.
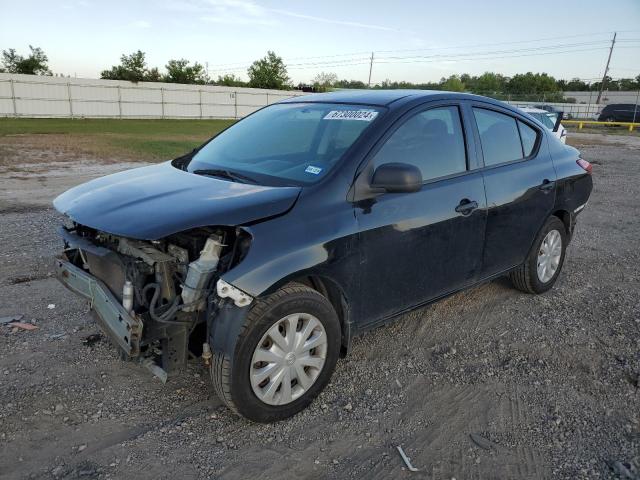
(232, 376)
(527, 277)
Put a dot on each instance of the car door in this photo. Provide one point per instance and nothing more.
(417, 246)
(520, 183)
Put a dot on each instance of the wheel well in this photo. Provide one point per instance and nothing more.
(565, 217)
(328, 289)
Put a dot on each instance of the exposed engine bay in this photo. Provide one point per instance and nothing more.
(167, 288)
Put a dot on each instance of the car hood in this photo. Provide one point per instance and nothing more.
(152, 202)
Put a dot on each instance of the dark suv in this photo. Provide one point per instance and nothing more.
(620, 112)
(268, 248)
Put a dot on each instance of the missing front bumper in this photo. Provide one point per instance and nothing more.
(124, 329)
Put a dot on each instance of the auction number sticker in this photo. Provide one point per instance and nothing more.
(361, 115)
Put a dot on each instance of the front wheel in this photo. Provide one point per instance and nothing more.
(540, 270)
(284, 355)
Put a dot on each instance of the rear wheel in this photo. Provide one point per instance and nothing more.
(543, 264)
(283, 357)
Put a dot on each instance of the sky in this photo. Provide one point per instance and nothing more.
(417, 41)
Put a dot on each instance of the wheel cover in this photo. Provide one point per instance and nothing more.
(549, 256)
(288, 359)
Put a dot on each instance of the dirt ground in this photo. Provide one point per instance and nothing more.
(490, 383)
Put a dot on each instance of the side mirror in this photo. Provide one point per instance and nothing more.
(397, 178)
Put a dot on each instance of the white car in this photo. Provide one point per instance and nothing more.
(551, 120)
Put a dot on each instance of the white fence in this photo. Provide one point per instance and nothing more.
(575, 110)
(38, 96)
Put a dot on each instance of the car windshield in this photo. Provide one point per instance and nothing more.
(284, 144)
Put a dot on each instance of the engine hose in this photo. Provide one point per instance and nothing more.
(167, 314)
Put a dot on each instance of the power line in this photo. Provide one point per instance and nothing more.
(453, 47)
(391, 59)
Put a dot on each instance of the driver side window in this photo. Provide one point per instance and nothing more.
(431, 140)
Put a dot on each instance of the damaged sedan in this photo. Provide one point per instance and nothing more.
(267, 249)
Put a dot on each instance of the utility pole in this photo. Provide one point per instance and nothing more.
(606, 69)
(370, 68)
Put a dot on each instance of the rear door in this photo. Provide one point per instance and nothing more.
(520, 183)
(417, 246)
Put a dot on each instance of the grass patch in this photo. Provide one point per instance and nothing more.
(125, 139)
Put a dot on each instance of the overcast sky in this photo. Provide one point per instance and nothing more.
(416, 41)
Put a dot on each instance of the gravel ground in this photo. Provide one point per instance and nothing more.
(490, 383)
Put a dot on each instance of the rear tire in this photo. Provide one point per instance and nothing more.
(530, 277)
(235, 381)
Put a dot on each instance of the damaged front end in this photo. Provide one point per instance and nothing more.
(155, 299)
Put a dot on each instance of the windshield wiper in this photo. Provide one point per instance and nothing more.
(218, 172)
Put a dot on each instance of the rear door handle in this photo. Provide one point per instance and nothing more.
(547, 185)
(466, 206)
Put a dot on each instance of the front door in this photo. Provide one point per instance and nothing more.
(418, 246)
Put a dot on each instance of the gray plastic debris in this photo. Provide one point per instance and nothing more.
(10, 318)
(482, 442)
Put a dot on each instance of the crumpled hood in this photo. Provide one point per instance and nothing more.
(152, 202)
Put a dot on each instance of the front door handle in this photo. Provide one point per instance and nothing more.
(466, 206)
(547, 185)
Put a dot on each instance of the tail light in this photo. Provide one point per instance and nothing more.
(586, 166)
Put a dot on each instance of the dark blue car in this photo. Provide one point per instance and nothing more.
(265, 250)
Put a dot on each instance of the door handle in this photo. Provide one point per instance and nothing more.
(547, 185)
(466, 206)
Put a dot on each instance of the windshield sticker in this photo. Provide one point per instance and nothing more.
(362, 115)
(314, 170)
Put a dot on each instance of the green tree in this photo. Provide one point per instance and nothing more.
(355, 84)
(575, 85)
(132, 68)
(530, 83)
(229, 80)
(324, 81)
(269, 72)
(34, 64)
(452, 84)
(179, 71)
(489, 82)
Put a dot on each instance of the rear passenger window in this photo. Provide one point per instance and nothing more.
(499, 137)
(431, 140)
(529, 137)
(503, 138)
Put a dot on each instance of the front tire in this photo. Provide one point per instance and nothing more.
(283, 357)
(542, 266)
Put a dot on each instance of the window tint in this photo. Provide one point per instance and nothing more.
(499, 137)
(529, 137)
(431, 140)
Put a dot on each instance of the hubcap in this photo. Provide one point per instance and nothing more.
(288, 359)
(549, 256)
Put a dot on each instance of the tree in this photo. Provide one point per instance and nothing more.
(575, 85)
(34, 64)
(268, 72)
(229, 80)
(179, 71)
(324, 81)
(132, 68)
(488, 82)
(357, 84)
(452, 84)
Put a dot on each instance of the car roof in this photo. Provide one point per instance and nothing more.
(381, 98)
(533, 110)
